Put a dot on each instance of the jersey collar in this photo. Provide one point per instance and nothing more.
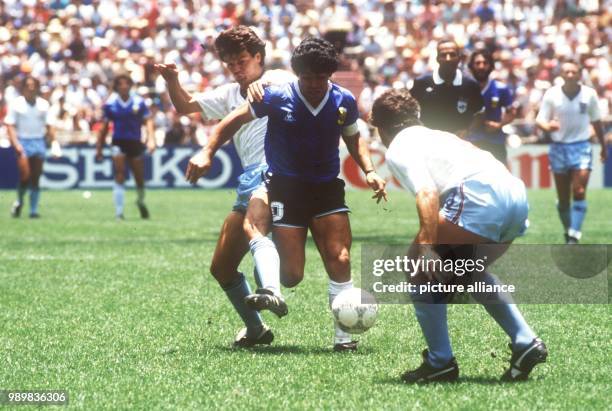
(486, 88)
(122, 103)
(314, 111)
(457, 81)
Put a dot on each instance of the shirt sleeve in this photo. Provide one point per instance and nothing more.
(107, 112)
(417, 89)
(213, 103)
(411, 172)
(593, 108)
(11, 116)
(144, 109)
(477, 99)
(507, 97)
(546, 108)
(263, 108)
(350, 127)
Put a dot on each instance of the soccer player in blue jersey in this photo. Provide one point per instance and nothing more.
(499, 110)
(305, 121)
(128, 112)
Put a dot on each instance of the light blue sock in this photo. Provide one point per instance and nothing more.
(236, 292)
(257, 277)
(564, 216)
(579, 209)
(503, 310)
(267, 263)
(118, 198)
(433, 322)
(34, 198)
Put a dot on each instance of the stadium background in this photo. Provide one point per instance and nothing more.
(76, 48)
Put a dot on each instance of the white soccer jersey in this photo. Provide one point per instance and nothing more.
(421, 158)
(574, 116)
(249, 140)
(30, 121)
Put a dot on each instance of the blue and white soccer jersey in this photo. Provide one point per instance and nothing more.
(302, 152)
(127, 118)
(571, 148)
(249, 140)
(30, 122)
(477, 192)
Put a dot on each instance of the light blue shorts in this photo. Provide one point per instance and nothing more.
(250, 180)
(571, 156)
(34, 147)
(492, 206)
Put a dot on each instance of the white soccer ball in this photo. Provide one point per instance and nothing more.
(355, 310)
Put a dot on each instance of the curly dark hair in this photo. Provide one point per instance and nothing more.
(237, 39)
(118, 78)
(486, 55)
(395, 110)
(315, 55)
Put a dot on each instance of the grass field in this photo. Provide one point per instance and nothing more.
(124, 315)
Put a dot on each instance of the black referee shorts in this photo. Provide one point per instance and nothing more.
(294, 202)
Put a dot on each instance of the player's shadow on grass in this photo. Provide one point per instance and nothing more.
(293, 349)
(390, 380)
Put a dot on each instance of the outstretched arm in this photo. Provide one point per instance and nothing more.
(183, 102)
(358, 148)
(200, 164)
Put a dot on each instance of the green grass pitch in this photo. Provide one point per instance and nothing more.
(124, 315)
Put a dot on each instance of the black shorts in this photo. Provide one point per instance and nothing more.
(131, 148)
(294, 203)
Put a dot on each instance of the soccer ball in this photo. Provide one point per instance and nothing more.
(355, 310)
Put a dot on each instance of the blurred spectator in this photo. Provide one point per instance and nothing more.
(62, 42)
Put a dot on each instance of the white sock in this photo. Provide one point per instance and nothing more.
(333, 290)
(118, 197)
(267, 262)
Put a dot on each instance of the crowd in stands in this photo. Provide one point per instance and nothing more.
(76, 47)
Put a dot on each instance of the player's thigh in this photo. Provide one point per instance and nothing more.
(137, 167)
(563, 185)
(332, 235)
(454, 236)
(36, 166)
(258, 217)
(231, 247)
(291, 245)
(23, 166)
(119, 166)
(580, 180)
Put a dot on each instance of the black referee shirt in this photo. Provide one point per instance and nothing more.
(449, 107)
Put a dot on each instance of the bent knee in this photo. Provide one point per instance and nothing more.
(290, 280)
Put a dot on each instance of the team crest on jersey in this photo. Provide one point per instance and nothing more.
(135, 108)
(342, 115)
(494, 102)
(289, 118)
(583, 108)
(461, 106)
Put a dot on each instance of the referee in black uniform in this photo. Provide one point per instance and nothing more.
(449, 99)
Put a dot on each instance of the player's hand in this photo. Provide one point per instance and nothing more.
(377, 184)
(19, 150)
(168, 71)
(604, 154)
(256, 90)
(56, 149)
(198, 166)
(492, 126)
(151, 146)
(428, 255)
(554, 125)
